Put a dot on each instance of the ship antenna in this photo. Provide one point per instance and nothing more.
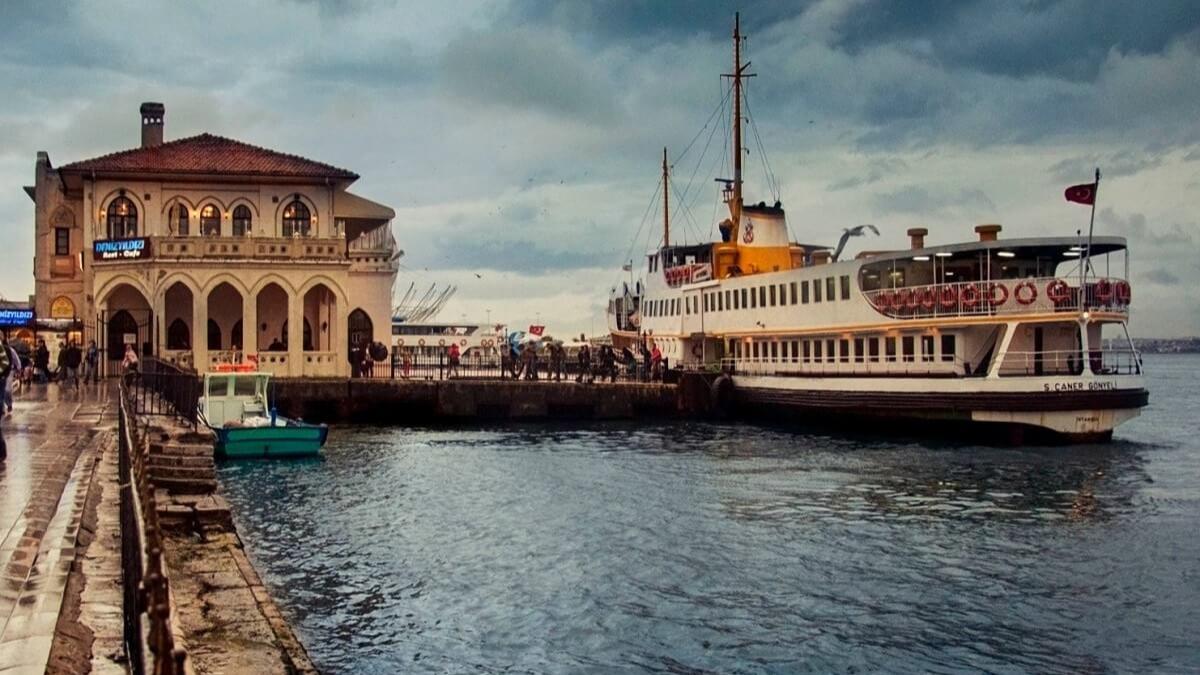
(666, 203)
(739, 72)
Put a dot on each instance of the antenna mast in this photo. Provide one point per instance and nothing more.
(739, 72)
(666, 202)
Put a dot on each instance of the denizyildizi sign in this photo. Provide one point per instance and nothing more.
(121, 249)
(14, 318)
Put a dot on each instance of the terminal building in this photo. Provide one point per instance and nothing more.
(206, 250)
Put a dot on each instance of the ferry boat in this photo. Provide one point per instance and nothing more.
(1006, 335)
(235, 406)
(433, 339)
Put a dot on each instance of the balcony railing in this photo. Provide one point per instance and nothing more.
(224, 248)
(1001, 297)
(1068, 362)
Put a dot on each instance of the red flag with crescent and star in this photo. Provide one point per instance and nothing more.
(1082, 194)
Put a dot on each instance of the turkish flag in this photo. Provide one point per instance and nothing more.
(1081, 194)
(537, 330)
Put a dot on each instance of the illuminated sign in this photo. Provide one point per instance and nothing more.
(16, 317)
(121, 249)
(62, 308)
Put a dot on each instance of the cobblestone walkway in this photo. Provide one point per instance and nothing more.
(43, 487)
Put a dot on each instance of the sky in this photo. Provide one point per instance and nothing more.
(520, 142)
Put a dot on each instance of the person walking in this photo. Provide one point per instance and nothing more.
(585, 364)
(91, 363)
(129, 364)
(6, 368)
(656, 363)
(557, 356)
(72, 359)
(14, 374)
(41, 362)
(452, 359)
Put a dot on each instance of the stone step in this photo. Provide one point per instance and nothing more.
(181, 473)
(186, 486)
(192, 461)
(189, 511)
(181, 449)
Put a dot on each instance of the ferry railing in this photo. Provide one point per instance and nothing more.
(160, 388)
(896, 366)
(438, 367)
(1000, 297)
(1069, 362)
(146, 603)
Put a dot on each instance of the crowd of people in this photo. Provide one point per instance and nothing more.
(21, 369)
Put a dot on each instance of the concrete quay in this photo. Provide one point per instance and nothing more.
(432, 401)
(61, 579)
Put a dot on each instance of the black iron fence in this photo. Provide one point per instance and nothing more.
(149, 643)
(161, 388)
(491, 367)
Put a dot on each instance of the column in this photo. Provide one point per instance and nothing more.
(200, 332)
(339, 343)
(249, 327)
(296, 335)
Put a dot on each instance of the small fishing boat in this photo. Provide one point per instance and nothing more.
(235, 406)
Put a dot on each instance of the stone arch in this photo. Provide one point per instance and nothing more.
(272, 297)
(322, 279)
(319, 307)
(63, 217)
(225, 278)
(178, 305)
(272, 278)
(127, 317)
(172, 201)
(277, 219)
(224, 301)
(102, 210)
(244, 201)
(108, 287)
(359, 328)
(211, 199)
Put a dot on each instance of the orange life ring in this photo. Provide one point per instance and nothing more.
(1025, 298)
(969, 296)
(224, 368)
(442, 342)
(948, 297)
(400, 342)
(904, 299)
(1058, 291)
(421, 342)
(992, 288)
(883, 300)
(244, 367)
(462, 342)
(1103, 290)
(928, 297)
(1124, 292)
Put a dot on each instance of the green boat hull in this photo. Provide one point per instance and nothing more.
(294, 440)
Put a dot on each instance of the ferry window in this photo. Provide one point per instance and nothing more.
(62, 241)
(762, 296)
(927, 348)
(753, 298)
(774, 351)
(829, 289)
(772, 295)
(873, 346)
(744, 305)
(845, 287)
(909, 347)
(890, 345)
(844, 351)
(755, 349)
(807, 348)
(795, 351)
(830, 350)
(804, 292)
(859, 356)
(728, 297)
(793, 293)
(947, 347)
(705, 296)
(816, 284)
(817, 351)
(720, 301)
(243, 386)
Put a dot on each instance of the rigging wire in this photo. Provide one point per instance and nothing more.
(637, 235)
(719, 108)
(769, 175)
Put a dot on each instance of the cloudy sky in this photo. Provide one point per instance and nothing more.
(520, 142)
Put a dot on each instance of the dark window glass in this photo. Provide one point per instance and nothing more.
(210, 221)
(772, 295)
(844, 351)
(793, 293)
(910, 346)
(926, 348)
(890, 344)
(816, 284)
(859, 355)
(744, 305)
(762, 296)
(179, 220)
(829, 289)
(804, 292)
(774, 350)
(753, 299)
(873, 345)
(62, 241)
(947, 347)
(845, 287)
(817, 349)
(122, 219)
(241, 220)
(807, 348)
(830, 350)
(297, 221)
(795, 351)
(754, 350)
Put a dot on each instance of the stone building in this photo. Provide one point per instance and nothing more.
(205, 250)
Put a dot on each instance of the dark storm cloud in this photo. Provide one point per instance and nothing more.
(879, 169)
(638, 19)
(1162, 277)
(388, 62)
(1112, 165)
(915, 199)
(1067, 39)
(527, 257)
(1137, 228)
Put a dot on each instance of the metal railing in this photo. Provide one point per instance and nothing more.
(162, 388)
(492, 367)
(1000, 297)
(900, 365)
(146, 606)
(1069, 362)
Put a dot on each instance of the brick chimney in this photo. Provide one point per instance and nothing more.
(152, 124)
(987, 232)
(917, 236)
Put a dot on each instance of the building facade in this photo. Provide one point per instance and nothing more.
(207, 250)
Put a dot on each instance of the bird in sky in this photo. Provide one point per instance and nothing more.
(856, 231)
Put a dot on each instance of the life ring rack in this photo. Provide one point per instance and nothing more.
(1021, 296)
(1058, 291)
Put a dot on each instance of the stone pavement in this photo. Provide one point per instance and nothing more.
(54, 442)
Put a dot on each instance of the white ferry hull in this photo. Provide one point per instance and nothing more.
(1058, 408)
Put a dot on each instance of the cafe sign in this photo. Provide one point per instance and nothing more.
(10, 318)
(121, 249)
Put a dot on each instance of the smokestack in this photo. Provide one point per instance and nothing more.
(987, 232)
(917, 237)
(152, 124)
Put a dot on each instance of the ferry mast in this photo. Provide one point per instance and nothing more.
(739, 72)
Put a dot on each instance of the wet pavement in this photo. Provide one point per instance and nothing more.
(43, 488)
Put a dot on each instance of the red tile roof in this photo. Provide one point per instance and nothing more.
(209, 154)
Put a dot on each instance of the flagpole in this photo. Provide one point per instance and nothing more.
(1091, 225)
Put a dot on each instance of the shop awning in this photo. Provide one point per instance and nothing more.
(350, 206)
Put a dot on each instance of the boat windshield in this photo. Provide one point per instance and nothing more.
(236, 385)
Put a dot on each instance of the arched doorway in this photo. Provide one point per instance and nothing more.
(177, 315)
(320, 314)
(360, 329)
(272, 303)
(224, 311)
(123, 329)
(125, 318)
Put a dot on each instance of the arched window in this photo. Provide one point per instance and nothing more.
(241, 220)
(179, 220)
(210, 221)
(214, 335)
(297, 220)
(179, 336)
(122, 219)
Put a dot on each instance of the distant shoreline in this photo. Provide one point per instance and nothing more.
(1189, 345)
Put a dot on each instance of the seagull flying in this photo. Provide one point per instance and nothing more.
(856, 231)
